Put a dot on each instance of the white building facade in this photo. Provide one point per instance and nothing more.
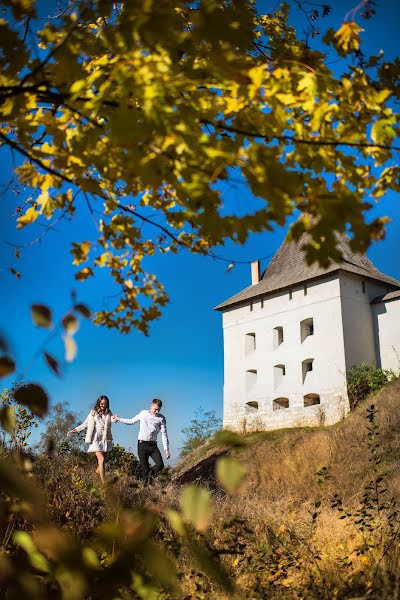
(291, 336)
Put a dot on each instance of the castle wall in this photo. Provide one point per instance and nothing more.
(387, 330)
(358, 328)
(266, 381)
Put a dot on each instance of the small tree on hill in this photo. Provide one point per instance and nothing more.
(201, 428)
(60, 420)
(17, 421)
(364, 379)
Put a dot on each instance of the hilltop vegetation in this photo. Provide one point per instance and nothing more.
(316, 517)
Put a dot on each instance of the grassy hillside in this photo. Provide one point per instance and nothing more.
(324, 522)
(316, 518)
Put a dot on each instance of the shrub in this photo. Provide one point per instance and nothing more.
(201, 428)
(363, 379)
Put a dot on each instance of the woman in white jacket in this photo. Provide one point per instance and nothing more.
(98, 434)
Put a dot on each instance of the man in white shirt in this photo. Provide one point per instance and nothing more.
(151, 423)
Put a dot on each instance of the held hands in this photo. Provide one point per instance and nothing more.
(114, 418)
(71, 432)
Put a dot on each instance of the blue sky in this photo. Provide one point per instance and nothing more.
(182, 360)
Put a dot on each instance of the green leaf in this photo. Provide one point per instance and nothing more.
(34, 397)
(7, 366)
(41, 315)
(230, 473)
(176, 522)
(196, 506)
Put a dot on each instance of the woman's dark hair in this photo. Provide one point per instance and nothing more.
(97, 405)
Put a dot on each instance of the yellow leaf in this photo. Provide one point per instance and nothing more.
(230, 473)
(176, 522)
(196, 506)
(70, 348)
(29, 217)
(348, 37)
(84, 274)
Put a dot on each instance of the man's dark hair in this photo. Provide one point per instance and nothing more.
(157, 401)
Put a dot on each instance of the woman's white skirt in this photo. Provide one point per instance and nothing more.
(100, 446)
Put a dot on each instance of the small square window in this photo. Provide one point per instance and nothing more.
(278, 337)
(250, 342)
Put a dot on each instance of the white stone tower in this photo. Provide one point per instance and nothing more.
(290, 337)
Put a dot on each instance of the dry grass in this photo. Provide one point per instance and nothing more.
(280, 494)
(266, 536)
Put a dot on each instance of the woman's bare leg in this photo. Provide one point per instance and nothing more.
(100, 469)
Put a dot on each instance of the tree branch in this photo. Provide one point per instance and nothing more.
(295, 140)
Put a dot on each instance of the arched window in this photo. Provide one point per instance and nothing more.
(280, 403)
(252, 406)
(311, 399)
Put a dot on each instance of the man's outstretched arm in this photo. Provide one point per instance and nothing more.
(127, 421)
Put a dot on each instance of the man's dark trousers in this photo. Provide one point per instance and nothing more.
(148, 450)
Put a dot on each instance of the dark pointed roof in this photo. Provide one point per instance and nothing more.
(289, 267)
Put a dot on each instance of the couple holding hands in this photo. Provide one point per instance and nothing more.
(98, 435)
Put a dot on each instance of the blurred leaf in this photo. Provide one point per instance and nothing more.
(55, 544)
(70, 324)
(34, 397)
(90, 558)
(52, 363)
(13, 483)
(176, 522)
(24, 540)
(39, 562)
(211, 566)
(83, 310)
(70, 348)
(4, 347)
(72, 584)
(197, 506)
(7, 418)
(230, 438)
(41, 315)
(138, 524)
(160, 565)
(230, 473)
(84, 274)
(7, 366)
(14, 272)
